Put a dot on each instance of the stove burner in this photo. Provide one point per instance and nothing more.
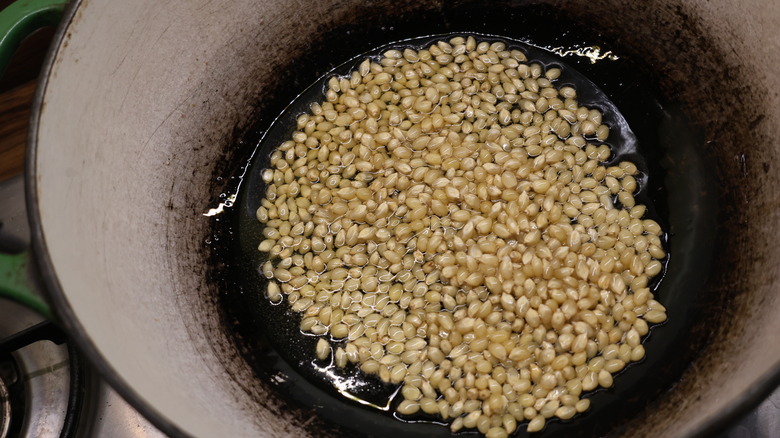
(12, 399)
(42, 384)
(5, 410)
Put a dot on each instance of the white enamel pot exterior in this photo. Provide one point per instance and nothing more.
(142, 101)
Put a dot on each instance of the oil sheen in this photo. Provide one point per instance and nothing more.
(644, 129)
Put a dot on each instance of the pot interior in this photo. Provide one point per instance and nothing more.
(144, 119)
(674, 175)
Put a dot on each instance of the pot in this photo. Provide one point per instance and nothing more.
(138, 126)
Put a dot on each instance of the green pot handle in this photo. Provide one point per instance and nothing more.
(22, 18)
(16, 285)
(17, 21)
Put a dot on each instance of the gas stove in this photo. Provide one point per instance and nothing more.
(46, 390)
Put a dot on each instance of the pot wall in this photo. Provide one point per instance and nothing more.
(140, 106)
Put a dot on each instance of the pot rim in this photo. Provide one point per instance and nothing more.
(65, 316)
(51, 288)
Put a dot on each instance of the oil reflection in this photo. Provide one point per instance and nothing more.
(222, 206)
(591, 52)
(346, 384)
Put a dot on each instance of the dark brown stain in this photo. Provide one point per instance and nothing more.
(755, 122)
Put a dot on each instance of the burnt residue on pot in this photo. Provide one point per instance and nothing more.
(281, 328)
(713, 79)
(690, 110)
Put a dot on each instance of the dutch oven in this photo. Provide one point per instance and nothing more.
(148, 111)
